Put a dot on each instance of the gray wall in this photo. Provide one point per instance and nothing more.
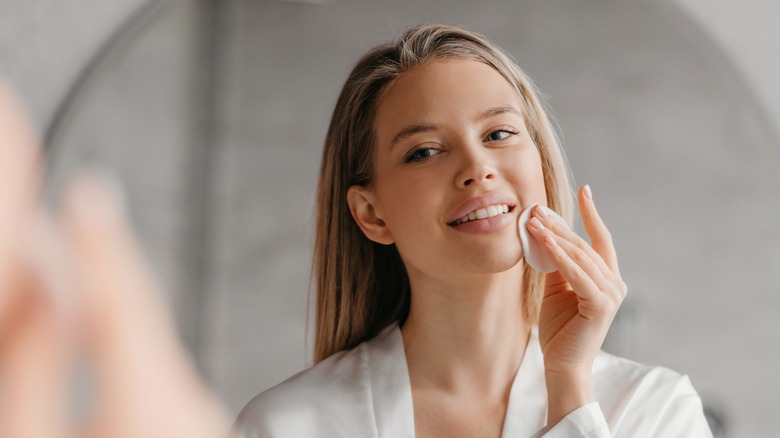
(747, 33)
(45, 44)
(668, 110)
(42, 37)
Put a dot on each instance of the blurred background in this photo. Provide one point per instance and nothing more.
(213, 113)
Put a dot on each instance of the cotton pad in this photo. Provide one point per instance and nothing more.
(534, 252)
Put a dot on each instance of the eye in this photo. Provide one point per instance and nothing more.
(501, 134)
(421, 154)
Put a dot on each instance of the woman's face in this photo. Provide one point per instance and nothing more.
(451, 144)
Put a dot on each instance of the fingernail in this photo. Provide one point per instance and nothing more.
(535, 224)
(588, 193)
(548, 239)
(542, 212)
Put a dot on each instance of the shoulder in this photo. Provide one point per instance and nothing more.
(637, 397)
(614, 374)
(304, 400)
(332, 398)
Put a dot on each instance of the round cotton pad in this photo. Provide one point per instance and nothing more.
(535, 254)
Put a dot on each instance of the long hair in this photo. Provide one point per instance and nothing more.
(362, 286)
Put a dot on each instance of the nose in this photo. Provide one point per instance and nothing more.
(475, 169)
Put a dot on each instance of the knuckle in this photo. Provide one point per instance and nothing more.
(579, 275)
(559, 256)
(582, 245)
(612, 304)
(546, 234)
(614, 307)
(579, 256)
(610, 307)
(617, 299)
(615, 294)
(618, 303)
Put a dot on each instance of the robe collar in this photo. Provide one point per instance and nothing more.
(391, 392)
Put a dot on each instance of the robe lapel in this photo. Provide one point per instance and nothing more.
(526, 413)
(391, 392)
(388, 384)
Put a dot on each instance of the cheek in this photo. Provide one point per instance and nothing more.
(409, 203)
(525, 172)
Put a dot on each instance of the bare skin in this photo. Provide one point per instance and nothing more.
(75, 285)
(465, 335)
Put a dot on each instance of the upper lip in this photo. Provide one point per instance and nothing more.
(481, 201)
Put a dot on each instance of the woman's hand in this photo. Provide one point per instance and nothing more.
(76, 286)
(580, 301)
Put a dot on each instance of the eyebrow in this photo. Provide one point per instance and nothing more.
(418, 128)
(498, 110)
(410, 131)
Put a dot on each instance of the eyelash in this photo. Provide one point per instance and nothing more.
(410, 158)
(511, 131)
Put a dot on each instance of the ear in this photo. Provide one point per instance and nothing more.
(364, 208)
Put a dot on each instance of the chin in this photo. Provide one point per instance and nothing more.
(486, 263)
(483, 259)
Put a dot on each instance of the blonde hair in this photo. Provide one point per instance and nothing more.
(362, 286)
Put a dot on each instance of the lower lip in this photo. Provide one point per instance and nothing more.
(487, 225)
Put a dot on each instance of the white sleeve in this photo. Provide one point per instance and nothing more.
(683, 418)
(587, 421)
(672, 410)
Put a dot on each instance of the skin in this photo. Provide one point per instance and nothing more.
(465, 335)
(75, 285)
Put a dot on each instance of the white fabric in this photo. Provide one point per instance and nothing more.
(365, 392)
(533, 251)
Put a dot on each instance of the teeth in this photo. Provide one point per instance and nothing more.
(482, 213)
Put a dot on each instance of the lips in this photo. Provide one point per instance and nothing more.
(482, 201)
(483, 213)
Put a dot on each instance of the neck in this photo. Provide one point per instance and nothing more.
(466, 334)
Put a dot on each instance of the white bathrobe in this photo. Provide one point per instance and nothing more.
(365, 392)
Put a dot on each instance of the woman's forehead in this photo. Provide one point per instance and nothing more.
(443, 91)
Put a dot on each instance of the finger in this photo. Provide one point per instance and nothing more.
(576, 254)
(33, 363)
(147, 384)
(599, 235)
(109, 266)
(569, 235)
(19, 164)
(609, 285)
(34, 360)
(577, 276)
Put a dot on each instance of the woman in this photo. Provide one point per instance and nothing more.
(430, 321)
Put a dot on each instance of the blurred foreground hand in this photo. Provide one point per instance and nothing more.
(74, 288)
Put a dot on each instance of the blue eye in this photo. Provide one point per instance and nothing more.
(503, 134)
(421, 154)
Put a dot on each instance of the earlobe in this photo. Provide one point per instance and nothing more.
(363, 206)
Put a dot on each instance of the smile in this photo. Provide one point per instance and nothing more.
(483, 213)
